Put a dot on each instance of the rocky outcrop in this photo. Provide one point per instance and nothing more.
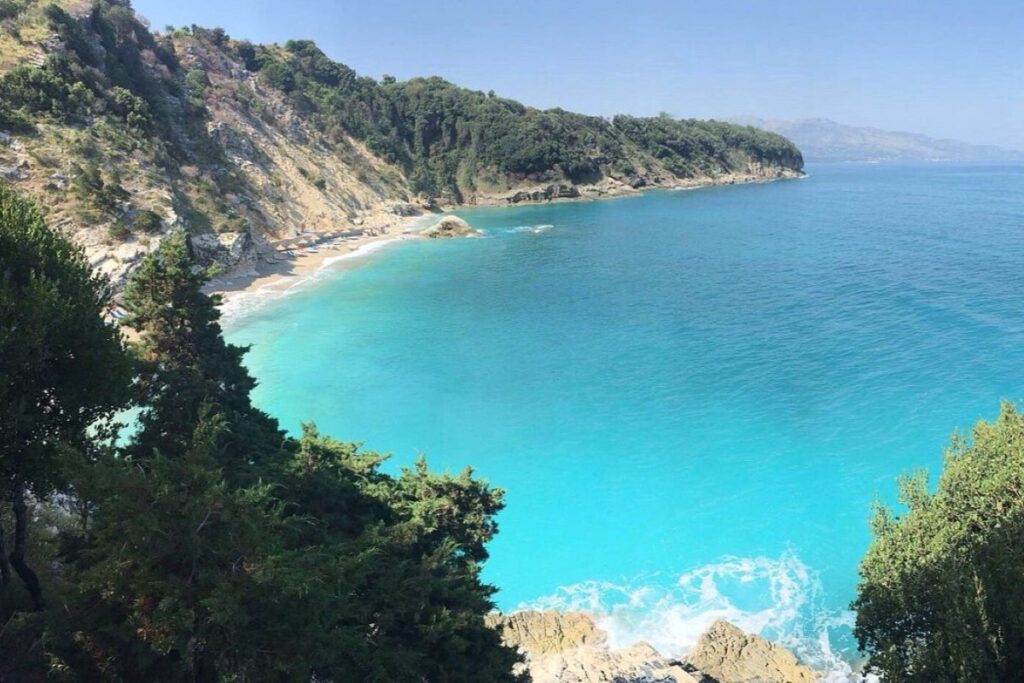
(237, 252)
(404, 209)
(450, 226)
(727, 654)
(545, 194)
(568, 647)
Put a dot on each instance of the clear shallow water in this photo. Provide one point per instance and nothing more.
(690, 397)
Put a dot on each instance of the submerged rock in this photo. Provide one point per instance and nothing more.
(450, 226)
(567, 647)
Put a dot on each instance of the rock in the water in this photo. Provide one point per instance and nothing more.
(451, 226)
(730, 655)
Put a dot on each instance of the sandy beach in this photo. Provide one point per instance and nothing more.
(294, 264)
(292, 268)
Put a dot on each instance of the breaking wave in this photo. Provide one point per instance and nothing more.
(535, 229)
(779, 598)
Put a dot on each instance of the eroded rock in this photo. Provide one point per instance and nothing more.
(237, 252)
(450, 226)
(568, 647)
(730, 655)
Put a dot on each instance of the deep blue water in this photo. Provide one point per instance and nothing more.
(690, 397)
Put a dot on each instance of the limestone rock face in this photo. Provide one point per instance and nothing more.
(729, 655)
(451, 226)
(568, 647)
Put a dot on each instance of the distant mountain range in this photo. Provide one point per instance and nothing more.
(826, 140)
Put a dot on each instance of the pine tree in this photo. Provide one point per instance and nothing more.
(941, 595)
(185, 363)
(61, 368)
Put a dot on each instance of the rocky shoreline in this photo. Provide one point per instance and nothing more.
(609, 187)
(568, 647)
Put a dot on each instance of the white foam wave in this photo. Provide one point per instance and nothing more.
(239, 304)
(535, 229)
(779, 598)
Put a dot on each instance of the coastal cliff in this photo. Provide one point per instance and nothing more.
(568, 647)
(123, 134)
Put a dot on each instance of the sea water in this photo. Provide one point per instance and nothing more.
(691, 398)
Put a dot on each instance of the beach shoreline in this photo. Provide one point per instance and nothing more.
(293, 269)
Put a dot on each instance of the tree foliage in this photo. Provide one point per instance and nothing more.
(61, 368)
(445, 137)
(941, 596)
(207, 545)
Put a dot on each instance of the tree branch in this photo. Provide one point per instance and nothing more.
(17, 557)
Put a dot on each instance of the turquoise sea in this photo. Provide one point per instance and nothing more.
(691, 397)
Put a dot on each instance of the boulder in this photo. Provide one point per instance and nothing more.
(12, 173)
(450, 226)
(729, 655)
(568, 647)
(234, 251)
(404, 209)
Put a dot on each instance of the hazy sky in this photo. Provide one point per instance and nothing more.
(947, 69)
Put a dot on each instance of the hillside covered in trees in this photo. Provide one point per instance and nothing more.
(123, 133)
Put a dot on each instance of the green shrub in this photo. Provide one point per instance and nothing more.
(119, 231)
(130, 108)
(196, 80)
(35, 90)
(9, 9)
(146, 220)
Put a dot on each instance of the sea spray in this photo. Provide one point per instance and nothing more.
(533, 229)
(779, 598)
(239, 304)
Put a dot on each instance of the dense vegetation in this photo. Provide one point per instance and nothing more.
(206, 544)
(448, 138)
(941, 596)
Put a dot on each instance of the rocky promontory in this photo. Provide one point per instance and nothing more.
(568, 647)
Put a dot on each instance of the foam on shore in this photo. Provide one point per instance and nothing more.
(236, 305)
(779, 598)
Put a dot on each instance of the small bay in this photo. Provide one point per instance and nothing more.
(690, 397)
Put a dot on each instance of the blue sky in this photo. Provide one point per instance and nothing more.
(947, 69)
